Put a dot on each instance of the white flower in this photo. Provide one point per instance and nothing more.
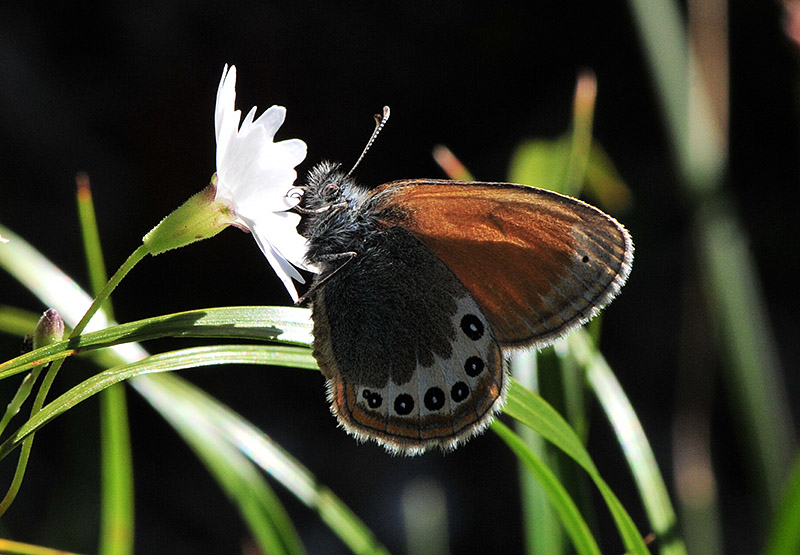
(254, 175)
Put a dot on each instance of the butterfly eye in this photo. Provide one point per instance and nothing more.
(330, 189)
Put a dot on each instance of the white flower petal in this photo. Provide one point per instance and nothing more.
(226, 95)
(254, 177)
(272, 119)
(285, 271)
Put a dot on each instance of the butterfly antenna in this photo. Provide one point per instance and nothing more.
(380, 121)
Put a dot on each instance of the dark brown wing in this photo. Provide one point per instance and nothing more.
(538, 263)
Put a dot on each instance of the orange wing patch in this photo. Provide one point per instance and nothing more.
(538, 263)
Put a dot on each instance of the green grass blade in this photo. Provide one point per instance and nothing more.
(116, 461)
(189, 411)
(534, 412)
(90, 234)
(652, 488)
(10, 547)
(116, 474)
(557, 495)
(261, 323)
(730, 278)
(164, 362)
(541, 526)
(266, 454)
(754, 369)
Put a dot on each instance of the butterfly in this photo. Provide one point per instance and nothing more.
(425, 284)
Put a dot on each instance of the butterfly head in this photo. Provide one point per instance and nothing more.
(329, 207)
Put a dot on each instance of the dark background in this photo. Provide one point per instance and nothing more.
(126, 93)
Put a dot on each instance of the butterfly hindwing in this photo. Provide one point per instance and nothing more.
(414, 363)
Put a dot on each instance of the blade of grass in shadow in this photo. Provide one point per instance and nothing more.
(534, 412)
(652, 489)
(116, 462)
(754, 372)
(557, 495)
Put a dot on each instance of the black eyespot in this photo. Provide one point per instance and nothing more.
(403, 404)
(585, 259)
(472, 326)
(473, 366)
(434, 398)
(374, 400)
(459, 392)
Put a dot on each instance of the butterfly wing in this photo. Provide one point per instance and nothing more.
(538, 263)
(409, 356)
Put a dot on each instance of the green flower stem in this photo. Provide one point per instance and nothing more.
(127, 266)
(101, 298)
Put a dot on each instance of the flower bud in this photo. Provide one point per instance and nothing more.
(50, 329)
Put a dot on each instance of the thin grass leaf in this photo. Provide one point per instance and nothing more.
(116, 462)
(542, 528)
(164, 362)
(261, 323)
(24, 390)
(641, 460)
(557, 495)
(188, 411)
(90, 235)
(116, 474)
(265, 453)
(10, 547)
(534, 412)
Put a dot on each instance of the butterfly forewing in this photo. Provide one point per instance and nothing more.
(538, 263)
